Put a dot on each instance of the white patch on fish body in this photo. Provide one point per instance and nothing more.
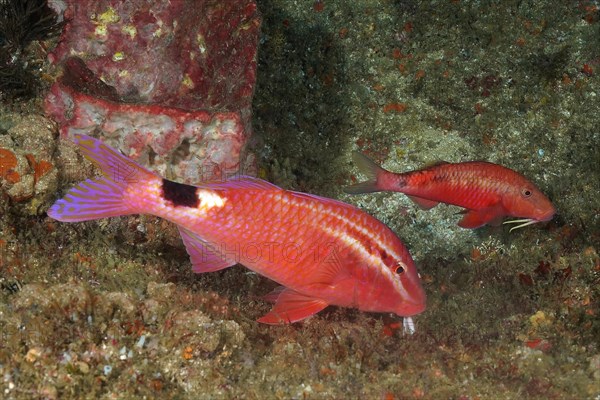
(209, 199)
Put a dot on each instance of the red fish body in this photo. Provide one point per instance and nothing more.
(322, 251)
(488, 192)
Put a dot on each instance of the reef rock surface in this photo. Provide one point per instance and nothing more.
(168, 83)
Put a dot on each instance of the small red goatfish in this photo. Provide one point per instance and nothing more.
(488, 192)
(321, 251)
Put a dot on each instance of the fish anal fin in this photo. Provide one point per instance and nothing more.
(292, 306)
(476, 218)
(204, 257)
(424, 204)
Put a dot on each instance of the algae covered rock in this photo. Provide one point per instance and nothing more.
(28, 175)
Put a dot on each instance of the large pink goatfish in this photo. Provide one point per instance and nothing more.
(322, 251)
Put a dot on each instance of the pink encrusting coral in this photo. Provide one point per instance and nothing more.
(168, 83)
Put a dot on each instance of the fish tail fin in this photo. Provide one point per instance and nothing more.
(104, 196)
(369, 168)
(91, 199)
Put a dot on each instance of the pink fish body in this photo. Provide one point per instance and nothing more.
(322, 251)
(488, 192)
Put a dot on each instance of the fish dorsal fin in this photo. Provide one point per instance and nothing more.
(436, 163)
(204, 256)
(240, 182)
(424, 204)
(292, 306)
(321, 199)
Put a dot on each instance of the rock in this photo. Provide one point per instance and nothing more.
(168, 83)
(27, 172)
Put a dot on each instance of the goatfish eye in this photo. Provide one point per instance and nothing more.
(399, 269)
(526, 192)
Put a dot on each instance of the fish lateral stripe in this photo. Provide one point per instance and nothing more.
(352, 232)
(180, 194)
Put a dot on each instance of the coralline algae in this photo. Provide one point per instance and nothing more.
(168, 83)
(28, 176)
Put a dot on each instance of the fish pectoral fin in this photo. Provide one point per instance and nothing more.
(330, 266)
(424, 204)
(476, 218)
(292, 306)
(204, 257)
(472, 219)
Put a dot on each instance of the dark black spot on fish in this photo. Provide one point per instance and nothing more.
(401, 182)
(387, 259)
(383, 254)
(180, 194)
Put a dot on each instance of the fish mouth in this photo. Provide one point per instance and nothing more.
(530, 221)
(410, 309)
